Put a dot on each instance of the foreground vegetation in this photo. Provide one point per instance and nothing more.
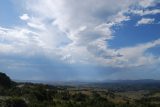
(39, 95)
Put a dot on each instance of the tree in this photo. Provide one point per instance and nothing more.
(15, 102)
(5, 81)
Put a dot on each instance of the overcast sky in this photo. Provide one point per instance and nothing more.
(84, 40)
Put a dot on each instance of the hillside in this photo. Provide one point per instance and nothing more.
(5, 81)
(93, 95)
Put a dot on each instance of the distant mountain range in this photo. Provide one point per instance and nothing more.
(116, 85)
(133, 81)
(140, 81)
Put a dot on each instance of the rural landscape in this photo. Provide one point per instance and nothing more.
(113, 94)
(79, 53)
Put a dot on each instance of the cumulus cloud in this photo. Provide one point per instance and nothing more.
(145, 21)
(136, 56)
(18, 41)
(75, 31)
(72, 29)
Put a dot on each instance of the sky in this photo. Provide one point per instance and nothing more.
(80, 40)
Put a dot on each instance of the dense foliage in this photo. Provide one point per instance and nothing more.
(5, 81)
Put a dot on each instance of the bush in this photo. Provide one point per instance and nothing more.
(5, 81)
(15, 102)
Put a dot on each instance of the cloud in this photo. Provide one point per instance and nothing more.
(72, 28)
(24, 17)
(145, 12)
(73, 31)
(145, 21)
(147, 3)
(18, 41)
(136, 56)
(72, 38)
(60, 24)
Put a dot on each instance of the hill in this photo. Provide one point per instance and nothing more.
(5, 81)
(111, 94)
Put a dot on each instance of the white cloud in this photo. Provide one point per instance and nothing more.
(145, 21)
(147, 3)
(24, 17)
(71, 15)
(136, 56)
(79, 22)
(145, 12)
(75, 31)
(18, 41)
